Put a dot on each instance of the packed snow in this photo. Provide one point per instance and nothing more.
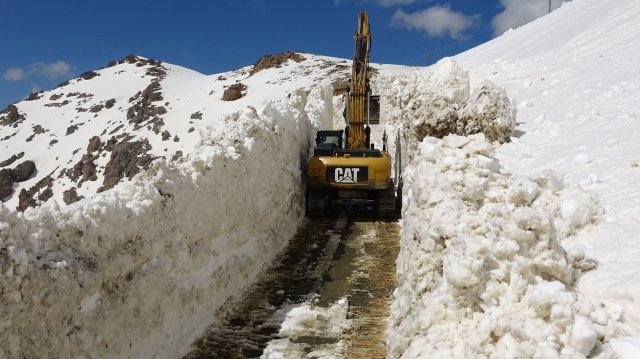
(138, 271)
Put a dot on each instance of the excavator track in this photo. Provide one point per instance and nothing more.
(316, 203)
(387, 202)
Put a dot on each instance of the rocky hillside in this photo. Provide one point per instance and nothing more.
(105, 126)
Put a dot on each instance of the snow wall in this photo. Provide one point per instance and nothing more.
(481, 270)
(140, 270)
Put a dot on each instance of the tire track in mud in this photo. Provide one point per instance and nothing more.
(350, 254)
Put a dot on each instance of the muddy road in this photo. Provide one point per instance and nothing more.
(326, 295)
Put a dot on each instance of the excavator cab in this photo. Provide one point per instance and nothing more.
(353, 165)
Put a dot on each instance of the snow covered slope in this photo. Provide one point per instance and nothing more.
(576, 74)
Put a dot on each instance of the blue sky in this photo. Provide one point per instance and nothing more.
(47, 42)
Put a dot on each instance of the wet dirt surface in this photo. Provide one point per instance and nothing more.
(350, 254)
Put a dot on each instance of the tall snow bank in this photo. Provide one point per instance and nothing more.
(481, 271)
(438, 103)
(139, 271)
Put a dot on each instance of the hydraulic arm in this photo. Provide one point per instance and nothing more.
(359, 93)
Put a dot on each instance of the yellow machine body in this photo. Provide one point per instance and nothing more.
(354, 166)
(331, 173)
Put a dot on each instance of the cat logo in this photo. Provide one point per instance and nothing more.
(346, 175)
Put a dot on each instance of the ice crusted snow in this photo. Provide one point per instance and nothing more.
(306, 320)
(139, 270)
(481, 271)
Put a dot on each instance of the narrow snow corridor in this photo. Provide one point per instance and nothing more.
(327, 294)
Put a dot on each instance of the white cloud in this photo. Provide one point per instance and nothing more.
(53, 70)
(519, 12)
(436, 21)
(14, 74)
(35, 88)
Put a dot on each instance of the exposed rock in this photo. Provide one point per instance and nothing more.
(24, 171)
(143, 110)
(176, 138)
(37, 129)
(269, 61)
(11, 159)
(88, 75)
(71, 196)
(130, 59)
(96, 108)
(57, 104)
(53, 142)
(56, 97)
(34, 96)
(127, 159)
(176, 156)
(196, 116)
(109, 104)
(234, 92)
(94, 144)
(112, 64)
(85, 95)
(6, 183)
(26, 197)
(71, 129)
(30, 138)
(10, 116)
(191, 130)
(166, 135)
(63, 84)
(116, 129)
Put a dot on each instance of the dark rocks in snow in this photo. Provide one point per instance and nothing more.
(196, 116)
(24, 171)
(96, 108)
(30, 138)
(71, 129)
(176, 156)
(56, 97)
(11, 160)
(112, 64)
(10, 116)
(191, 130)
(143, 110)
(269, 61)
(127, 160)
(88, 75)
(63, 84)
(34, 96)
(6, 183)
(94, 144)
(109, 104)
(53, 142)
(57, 104)
(37, 129)
(166, 135)
(71, 196)
(116, 129)
(85, 95)
(234, 92)
(130, 59)
(176, 138)
(39, 193)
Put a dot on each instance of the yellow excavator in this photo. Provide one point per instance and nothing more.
(353, 164)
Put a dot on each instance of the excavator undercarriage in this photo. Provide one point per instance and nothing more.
(346, 161)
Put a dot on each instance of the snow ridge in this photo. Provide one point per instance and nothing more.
(481, 272)
(138, 271)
